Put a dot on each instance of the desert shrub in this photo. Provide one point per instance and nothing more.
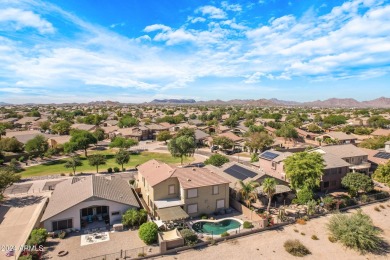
(296, 230)
(355, 231)
(364, 198)
(301, 221)
(314, 237)
(109, 170)
(247, 224)
(37, 237)
(382, 206)
(296, 248)
(332, 239)
(116, 169)
(190, 238)
(131, 182)
(304, 196)
(377, 209)
(225, 234)
(328, 202)
(133, 217)
(217, 160)
(148, 232)
(62, 174)
(140, 254)
(203, 216)
(303, 234)
(211, 241)
(26, 257)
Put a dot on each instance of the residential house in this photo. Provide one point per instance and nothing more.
(84, 127)
(82, 202)
(189, 190)
(154, 129)
(381, 132)
(338, 137)
(55, 141)
(201, 137)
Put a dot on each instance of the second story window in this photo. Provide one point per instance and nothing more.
(192, 193)
(171, 189)
(215, 190)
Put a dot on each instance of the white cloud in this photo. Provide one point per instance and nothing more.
(212, 12)
(17, 19)
(231, 7)
(114, 25)
(157, 27)
(196, 19)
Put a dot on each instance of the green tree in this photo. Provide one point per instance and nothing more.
(378, 121)
(287, 131)
(382, 173)
(356, 231)
(356, 182)
(375, 142)
(45, 125)
(11, 145)
(2, 130)
(247, 190)
(164, 136)
(99, 134)
(70, 147)
(73, 162)
(122, 157)
(217, 160)
(314, 128)
(96, 160)
(258, 141)
(269, 188)
(122, 142)
(133, 217)
(7, 178)
(304, 170)
(61, 128)
(185, 131)
(304, 195)
(183, 146)
(38, 145)
(335, 120)
(82, 139)
(223, 141)
(148, 232)
(127, 121)
(230, 122)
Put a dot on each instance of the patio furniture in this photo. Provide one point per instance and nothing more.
(100, 218)
(89, 218)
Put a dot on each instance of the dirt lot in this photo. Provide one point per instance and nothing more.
(269, 245)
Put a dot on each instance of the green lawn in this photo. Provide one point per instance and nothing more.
(57, 167)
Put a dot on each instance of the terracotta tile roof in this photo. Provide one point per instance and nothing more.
(232, 136)
(373, 159)
(343, 150)
(381, 132)
(340, 136)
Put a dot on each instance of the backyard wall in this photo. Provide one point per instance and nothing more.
(250, 214)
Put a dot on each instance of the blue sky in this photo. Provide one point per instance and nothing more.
(138, 50)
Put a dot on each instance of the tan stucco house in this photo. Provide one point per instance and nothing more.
(190, 189)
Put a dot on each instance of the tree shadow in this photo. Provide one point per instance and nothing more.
(20, 202)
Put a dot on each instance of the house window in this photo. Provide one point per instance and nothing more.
(62, 224)
(192, 193)
(220, 204)
(215, 190)
(87, 212)
(143, 180)
(274, 165)
(115, 213)
(192, 208)
(171, 189)
(326, 184)
(101, 210)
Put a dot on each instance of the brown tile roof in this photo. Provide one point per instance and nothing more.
(78, 189)
(155, 172)
(381, 132)
(232, 136)
(340, 136)
(193, 177)
(373, 159)
(83, 127)
(343, 150)
(333, 161)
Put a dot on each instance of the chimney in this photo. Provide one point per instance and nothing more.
(387, 147)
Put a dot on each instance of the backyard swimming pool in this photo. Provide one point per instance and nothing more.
(215, 227)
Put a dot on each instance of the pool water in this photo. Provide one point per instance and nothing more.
(215, 228)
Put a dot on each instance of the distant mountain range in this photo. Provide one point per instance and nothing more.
(381, 102)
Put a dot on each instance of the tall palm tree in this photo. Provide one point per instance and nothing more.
(248, 191)
(269, 188)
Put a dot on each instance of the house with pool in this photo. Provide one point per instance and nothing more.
(88, 202)
(173, 192)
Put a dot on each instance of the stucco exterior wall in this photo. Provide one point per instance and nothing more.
(74, 212)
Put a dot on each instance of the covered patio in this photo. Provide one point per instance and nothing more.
(171, 216)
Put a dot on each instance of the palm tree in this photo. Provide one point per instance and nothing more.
(248, 191)
(269, 188)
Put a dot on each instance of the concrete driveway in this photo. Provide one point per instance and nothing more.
(18, 217)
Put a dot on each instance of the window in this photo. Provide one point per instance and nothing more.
(326, 184)
(62, 224)
(101, 210)
(87, 212)
(143, 180)
(274, 165)
(192, 208)
(215, 190)
(192, 193)
(171, 189)
(114, 213)
(220, 204)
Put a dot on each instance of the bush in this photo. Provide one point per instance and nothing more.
(304, 196)
(254, 157)
(314, 237)
(25, 257)
(217, 160)
(332, 239)
(296, 230)
(62, 174)
(364, 198)
(303, 234)
(148, 232)
(133, 217)
(356, 182)
(37, 237)
(141, 254)
(296, 248)
(131, 182)
(109, 170)
(116, 169)
(247, 224)
(301, 221)
(211, 241)
(203, 216)
(225, 234)
(190, 238)
(382, 206)
(328, 202)
(355, 231)
(377, 209)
